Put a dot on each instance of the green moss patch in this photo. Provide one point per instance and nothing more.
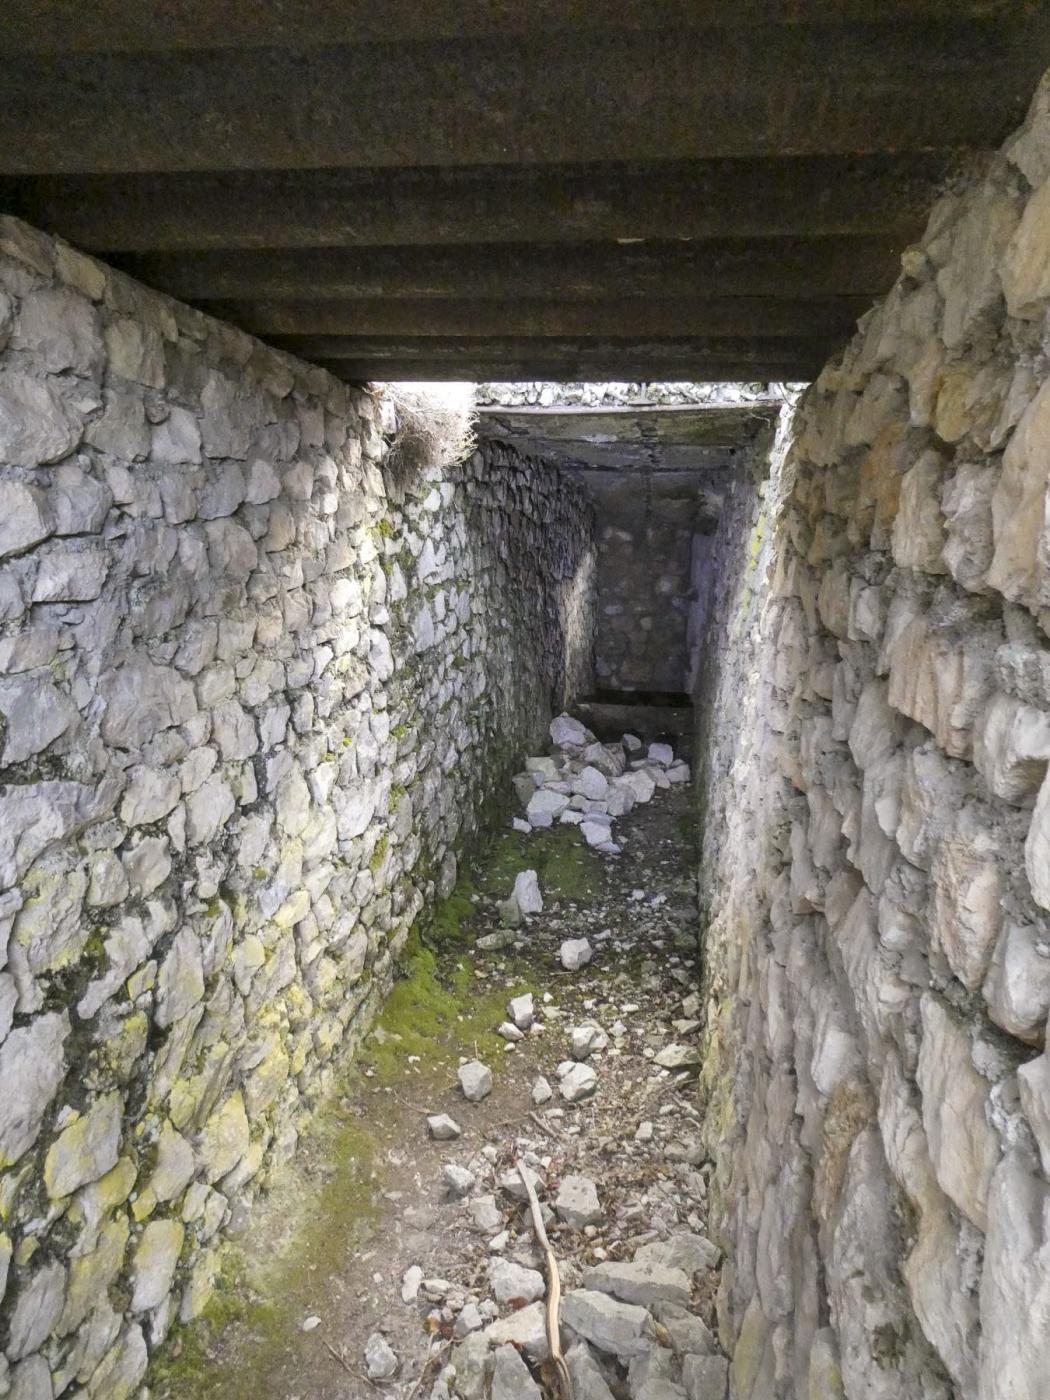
(566, 866)
(259, 1304)
(437, 1011)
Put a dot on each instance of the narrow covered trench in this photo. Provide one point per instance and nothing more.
(402, 1247)
(539, 889)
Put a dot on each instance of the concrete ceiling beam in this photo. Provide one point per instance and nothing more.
(426, 320)
(772, 196)
(522, 100)
(59, 26)
(793, 269)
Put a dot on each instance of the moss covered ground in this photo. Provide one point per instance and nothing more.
(328, 1203)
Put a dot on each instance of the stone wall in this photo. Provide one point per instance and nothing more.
(877, 959)
(646, 526)
(254, 687)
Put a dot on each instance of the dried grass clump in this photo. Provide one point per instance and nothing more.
(434, 425)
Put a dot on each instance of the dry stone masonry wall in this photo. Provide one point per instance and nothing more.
(255, 686)
(647, 527)
(877, 849)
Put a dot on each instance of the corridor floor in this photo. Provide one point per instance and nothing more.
(367, 1233)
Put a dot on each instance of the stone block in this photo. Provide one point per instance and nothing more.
(964, 1147)
(1017, 506)
(918, 530)
(1026, 262)
(966, 887)
(1017, 988)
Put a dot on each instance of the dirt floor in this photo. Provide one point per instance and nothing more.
(321, 1262)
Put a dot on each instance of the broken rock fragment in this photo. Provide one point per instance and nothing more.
(544, 806)
(475, 1079)
(522, 1011)
(541, 1090)
(458, 1180)
(442, 1128)
(527, 892)
(578, 1083)
(511, 1378)
(575, 953)
(511, 1281)
(586, 1040)
(565, 730)
(621, 1329)
(380, 1361)
(678, 1057)
(577, 1202)
(644, 1282)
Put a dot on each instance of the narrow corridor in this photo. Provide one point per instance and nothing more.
(385, 1230)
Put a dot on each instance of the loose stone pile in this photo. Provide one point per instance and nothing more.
(588, 784)
(611, 1149)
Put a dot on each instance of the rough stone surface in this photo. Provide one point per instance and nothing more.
(622, 1329)
(577, 1202)
(257, 683)
(475, 1080)
(872, 740)
(511, 1378)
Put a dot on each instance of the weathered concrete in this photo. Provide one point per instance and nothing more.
(599, 155)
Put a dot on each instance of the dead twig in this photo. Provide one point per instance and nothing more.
(350, 1371)
(553, 1287)
(549, 1128)
(432, 1354)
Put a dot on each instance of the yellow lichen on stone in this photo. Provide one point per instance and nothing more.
(86, 1149)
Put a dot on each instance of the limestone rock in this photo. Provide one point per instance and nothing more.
(86, 1149)
(485, 1214)
(180, 984)
(587, 1379)
(442, 1128)
(544, 806)
(526, 1329)
(575, 953)
(475, 1080)
(643, 1282)
(684, 1250)
(591, 783)
(678, 1057)
(527, 892)
(153, 1266)
(586, 1040)
(578, 1083)
(32, 1067)
(964, 1148)
(577, 1202)
(706, 1377)
(36, 425)
(620, 1329)
(566, 731)
(511, 1182)
(381, 1363)
(511, 1378)
(25, 517)
(511, 1281)
(225, 1138)
(1026, 262)
(458, 1180)
(522, 1010)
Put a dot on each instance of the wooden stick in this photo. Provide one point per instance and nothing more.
(348, 1368)
(553, 1287)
